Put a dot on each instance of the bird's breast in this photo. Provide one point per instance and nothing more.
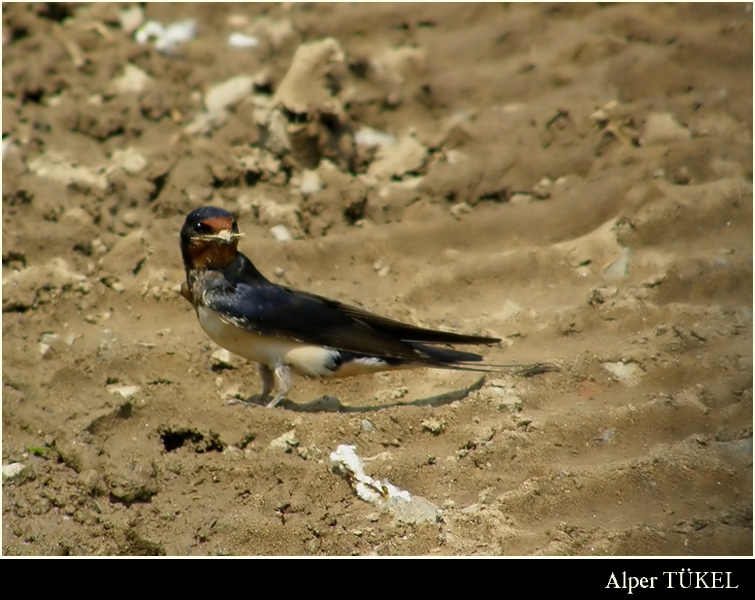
(308, 359)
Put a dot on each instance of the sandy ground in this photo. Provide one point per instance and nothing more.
(575, 179)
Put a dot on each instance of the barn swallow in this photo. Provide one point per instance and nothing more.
(285, 330)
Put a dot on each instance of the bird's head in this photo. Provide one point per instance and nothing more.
(209, 238)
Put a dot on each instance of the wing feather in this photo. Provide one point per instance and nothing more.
(265, 308)
(272, 310)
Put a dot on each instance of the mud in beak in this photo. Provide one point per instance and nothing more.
(225, 236)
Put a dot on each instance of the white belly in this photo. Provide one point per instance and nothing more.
(271, 351)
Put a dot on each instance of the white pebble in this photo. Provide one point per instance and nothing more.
(281, 233)
(167, 39)
(310, 183)
(131, 19)
(125, 391)
(241, 40)
(228, 94)
(12, 470)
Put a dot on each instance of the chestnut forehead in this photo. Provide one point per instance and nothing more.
(219, 223)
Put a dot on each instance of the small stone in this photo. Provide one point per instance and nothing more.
(416, 510)
(228, 94)
(285, 442)
(600, 116)
(434, 426)
(241, 40)
(472, 509)
(311, 183)
(520, 197)
(618, 268)
(540, 191)
(627, 373)
(167, 39)
(8, 145)
(506, 399)
(371, 138)
(130, 218)
(131, 19)
(125, 391)
(281, 233)
(605, 436)
(223, 359)
(132, 81)
(460, 209)
(389, 395)
(54, 344)
(205, 122)
(97, 248)
(130, 160)
(12, 470)
(394, 160)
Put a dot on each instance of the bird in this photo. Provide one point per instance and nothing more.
(288, 331)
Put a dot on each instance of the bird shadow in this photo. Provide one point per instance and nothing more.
(331, 404)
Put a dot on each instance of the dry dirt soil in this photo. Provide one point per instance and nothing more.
(574, 179)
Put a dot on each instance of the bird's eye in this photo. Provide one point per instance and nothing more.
(200, 227)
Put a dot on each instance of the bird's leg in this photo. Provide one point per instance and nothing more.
(268, 381)
(283, 383)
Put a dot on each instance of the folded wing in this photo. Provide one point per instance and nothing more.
(272, 310)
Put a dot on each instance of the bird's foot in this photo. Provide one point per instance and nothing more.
(256, 400)
(274, 402)
(245, 403)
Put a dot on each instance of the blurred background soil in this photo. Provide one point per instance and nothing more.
(573, 178)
